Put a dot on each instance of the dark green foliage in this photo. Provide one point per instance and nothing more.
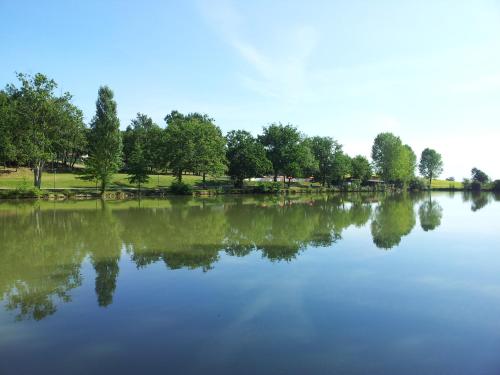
(417, 184)
(341, 167)
(431, 164)
(476, 186)
(246, 157)
(193, 143)
(289, 154)
(36, 126)
(138, 166)
(268, 187)
(180, 188)
(479, 176)
(105, 144)
(393, 161)
(495, 186)
(361, 169)
(323, 149)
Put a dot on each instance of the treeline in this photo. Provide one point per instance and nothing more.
(39, 128)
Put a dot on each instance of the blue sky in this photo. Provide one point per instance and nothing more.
(429, 71)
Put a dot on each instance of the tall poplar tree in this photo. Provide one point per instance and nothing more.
(105, 143)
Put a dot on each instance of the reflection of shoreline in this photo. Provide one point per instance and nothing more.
(41, 264)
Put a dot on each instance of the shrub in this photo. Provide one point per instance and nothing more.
(466, 184)
(181, 188)
(268, 187)
(417, 184)
(495, 186)
(475, 186)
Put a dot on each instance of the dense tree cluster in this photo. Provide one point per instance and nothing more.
(39, 129)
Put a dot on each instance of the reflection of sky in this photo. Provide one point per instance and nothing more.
(429, 306)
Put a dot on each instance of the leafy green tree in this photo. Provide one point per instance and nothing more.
(210, 145)
(361, 168)
(479, 176)
(193, 143)
(341, 167)
(142, 129)
(180, 143)
(285, 149)
(105, 143)
(138, 166)
(323, 149)
(246, 157)
(37, 117)
(392, 160)
(303, 164)
(7, 147)
(431, 164)
(430, 213)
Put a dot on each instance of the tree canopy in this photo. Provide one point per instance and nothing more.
(431, 164)
(105, 143)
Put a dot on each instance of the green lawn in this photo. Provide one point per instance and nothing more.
(12, 180)
(443, 184)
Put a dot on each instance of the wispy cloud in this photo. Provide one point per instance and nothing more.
(283, 73)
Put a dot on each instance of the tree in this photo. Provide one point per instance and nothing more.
(341, 166)
(285, 149)
(361, 168)
(392, 160)
(246, 157)
(193, 143)
(210, 145)
(138, 166)
(323, 149)
(431, 164)
(479, 176)
(105, 143)
(7, 148)
(142, 129)
(37, 116)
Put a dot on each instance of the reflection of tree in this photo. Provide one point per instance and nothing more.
(184, 235)
(479, 200)
(393, 218)
(430, 214)
(40, 256)
(104, 246)
(42, 250)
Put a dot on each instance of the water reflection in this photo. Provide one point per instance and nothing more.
(430, 213)
(44, 245)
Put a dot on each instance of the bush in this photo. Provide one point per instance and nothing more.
(417, 184)
(181, 188)
(495, 186)
(268, 187)
(466, 184)
(475, 186)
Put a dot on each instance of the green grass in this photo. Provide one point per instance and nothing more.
(24, 177)
(443, 184)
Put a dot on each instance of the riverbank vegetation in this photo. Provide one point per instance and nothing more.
(45, 132)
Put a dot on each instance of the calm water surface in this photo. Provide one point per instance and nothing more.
(360, 284)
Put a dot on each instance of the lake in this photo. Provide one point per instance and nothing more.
(324, 284)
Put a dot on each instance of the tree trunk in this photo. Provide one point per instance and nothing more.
(37, 174)
(179, 176)
(284, 181)
(289, 181)
(275, 176)
(204, 181)
(103, 186)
